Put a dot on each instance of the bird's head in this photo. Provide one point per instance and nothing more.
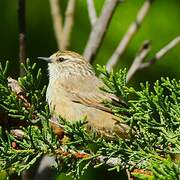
(66, 63)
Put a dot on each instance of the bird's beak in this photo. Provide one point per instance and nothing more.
(47, 59)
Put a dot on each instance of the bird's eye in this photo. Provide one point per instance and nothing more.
(61, 59)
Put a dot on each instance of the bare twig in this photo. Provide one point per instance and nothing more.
(91, 12)
(161, 53)
(128, 175)
(62, 32)
(139, 63)
(22, 31)
(57, 21)
(141, 55)
(68, 24)
(98, 31)
(129, 34)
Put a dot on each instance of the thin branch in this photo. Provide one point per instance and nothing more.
(22, 32)
(57, 21)
(133, 28)
(68, 24)
(139, 63)
(128, 174)
(161, 53)
(92, 12)
(141, 55)
(99, 29)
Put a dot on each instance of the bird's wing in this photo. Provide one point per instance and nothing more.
(87, 91)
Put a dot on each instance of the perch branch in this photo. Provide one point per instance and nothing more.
(161, 53)
(99, 29)
(141, 55)
(57, 22)
(22, 32)
(92, 12)
(133, 28)
(68, 24)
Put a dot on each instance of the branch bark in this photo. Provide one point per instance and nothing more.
(141, 55)
(62, 31)
(139, 63)
(22, 33)
(57, 21)
(133, 28)
(162, 52)
(68, 24)
(99, 29)
(92, 12)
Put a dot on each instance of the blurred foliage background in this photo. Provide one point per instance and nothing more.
(160, 26)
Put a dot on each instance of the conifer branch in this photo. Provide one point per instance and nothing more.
(151, 114)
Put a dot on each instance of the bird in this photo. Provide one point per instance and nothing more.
(74, 93)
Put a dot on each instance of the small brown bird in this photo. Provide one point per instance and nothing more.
(74, 92)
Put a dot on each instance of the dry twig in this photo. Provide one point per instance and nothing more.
(57, 21)
(22, 32)
(141, 55)
(99, 29)
(133, 28)
(161, 53)
(62, 31)
(139, 63)
(92, 12)
(129, 175)
(68, 24)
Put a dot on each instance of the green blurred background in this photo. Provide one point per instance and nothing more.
(160, 26)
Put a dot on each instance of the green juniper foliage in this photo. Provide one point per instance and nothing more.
(153, 113)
